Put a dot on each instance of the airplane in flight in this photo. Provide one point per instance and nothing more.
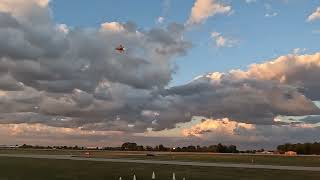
(120, 48)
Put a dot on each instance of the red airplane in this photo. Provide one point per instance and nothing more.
(120, 48)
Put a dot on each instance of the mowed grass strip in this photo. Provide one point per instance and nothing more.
(45, 169)
(198, 157)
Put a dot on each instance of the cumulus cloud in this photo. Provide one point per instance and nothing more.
(221, 126)
(63, 28)
(250, 1)
(89, 53)
(270, 12)
(160, 19)
(274, 14)
(258, 136)
(49, 70)
(284, 86)
(165, 9)
(203, 9)
(222, 41)
(112, 26)
(298, 71)
(8, 5)
(314, 16)
(245, 99)
(298, 51)
(60, 77)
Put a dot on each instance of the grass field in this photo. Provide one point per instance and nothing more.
(42, 169)
(200, 157)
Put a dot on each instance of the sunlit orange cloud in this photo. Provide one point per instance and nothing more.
(112, 26)
(314, 16)
(278, 69)
(2, 93)
(203, 9)
(40, 129)
(224, 126)
(19, 6)
(38, 134)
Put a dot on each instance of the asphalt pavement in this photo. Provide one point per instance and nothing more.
(181, 163)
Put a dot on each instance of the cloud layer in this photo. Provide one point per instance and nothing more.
(63, 78)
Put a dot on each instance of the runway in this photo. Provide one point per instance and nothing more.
(180, 163)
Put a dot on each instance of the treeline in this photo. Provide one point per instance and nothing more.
(306, 148)
(26, 146)
(129, 146)
(219, 148)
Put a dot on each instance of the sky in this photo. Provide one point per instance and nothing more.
(241, 72)
(256, 37)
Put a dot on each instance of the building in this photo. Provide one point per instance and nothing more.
(265, 152)
(290, 153)
(94, 148)
(9, 146)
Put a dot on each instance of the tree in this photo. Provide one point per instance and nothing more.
(306, 148)
(232, 149)
(162, 148)
(128, 146)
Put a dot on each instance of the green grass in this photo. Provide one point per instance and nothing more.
(199, 157)
(43, 169)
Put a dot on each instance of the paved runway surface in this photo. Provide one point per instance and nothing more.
(181, 163)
